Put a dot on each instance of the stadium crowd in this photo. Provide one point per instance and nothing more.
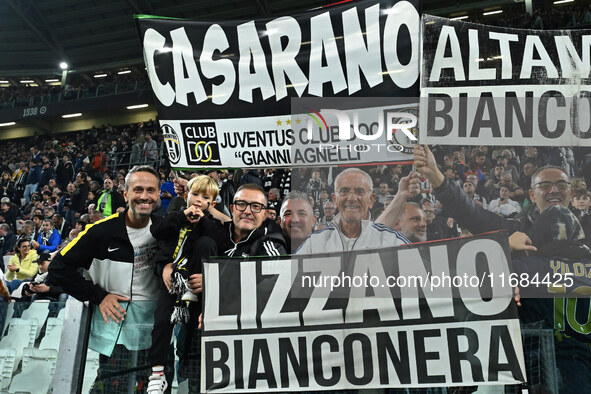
(544, 18)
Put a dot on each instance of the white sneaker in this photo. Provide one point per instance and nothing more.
(157, 384)
(189, 296)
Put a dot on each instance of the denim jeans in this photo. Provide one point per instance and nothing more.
(30, 189)
(13, 285)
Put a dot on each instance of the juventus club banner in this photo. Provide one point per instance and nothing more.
(485, 85)
(434, 315)
(223, 90)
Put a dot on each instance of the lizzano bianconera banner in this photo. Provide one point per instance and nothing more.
(487, 85)
(433, 315)
(223, 90)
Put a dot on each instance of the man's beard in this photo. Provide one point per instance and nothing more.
(416, 238)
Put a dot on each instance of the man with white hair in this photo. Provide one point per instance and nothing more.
(353, 196)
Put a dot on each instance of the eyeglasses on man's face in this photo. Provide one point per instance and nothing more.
(255, 207)
(547, 185)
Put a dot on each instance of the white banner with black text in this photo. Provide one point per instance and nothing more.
(488, 85)
(434, 315)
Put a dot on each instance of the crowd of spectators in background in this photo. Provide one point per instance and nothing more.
(567, 16)
(65, 176)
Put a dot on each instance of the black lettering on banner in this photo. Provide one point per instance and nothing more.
(422, 356)
(532, 76)
(299, 363)
(398, 359)
(366, 359)
(463, 115)
(500, 335)
(335, 345)
(317, 354)
(220, 364)
(524, 118)
(487, 102)
(238, 367)
(260, 350)
(576, 114)
(433, 113)
(456, 356)
(543, 114)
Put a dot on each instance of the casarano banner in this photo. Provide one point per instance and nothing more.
(224, 89)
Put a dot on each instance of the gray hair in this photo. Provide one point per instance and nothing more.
(549, 167)
(411, 203)
(142, 168)
(295, 195)
(354, 170)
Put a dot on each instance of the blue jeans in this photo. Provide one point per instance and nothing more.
(30, 189)
(13, 285)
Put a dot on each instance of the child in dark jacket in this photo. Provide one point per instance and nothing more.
(182, 245)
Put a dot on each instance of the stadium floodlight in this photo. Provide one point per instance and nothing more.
(138, 106)
(7, 124)
(52, 80)
(72, 115)
(124, 72)
(100, 75)
(27, 81)
(492, 12)
(458, 18)
(64, 65)
(4, 81)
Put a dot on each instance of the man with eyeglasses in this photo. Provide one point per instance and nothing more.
(349, 230)
(250, 233)
(437, 227)
(550, 186)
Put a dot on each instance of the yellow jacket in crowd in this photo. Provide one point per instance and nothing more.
(27, 267)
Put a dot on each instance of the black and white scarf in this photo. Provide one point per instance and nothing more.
(45, 237)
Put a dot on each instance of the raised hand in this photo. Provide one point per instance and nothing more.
(427, 166)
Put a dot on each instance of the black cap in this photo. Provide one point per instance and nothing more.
(44, 257)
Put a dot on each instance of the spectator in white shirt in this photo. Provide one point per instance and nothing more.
(504, 205)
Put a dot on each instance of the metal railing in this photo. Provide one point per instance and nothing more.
(136, 156)
(75, 94)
